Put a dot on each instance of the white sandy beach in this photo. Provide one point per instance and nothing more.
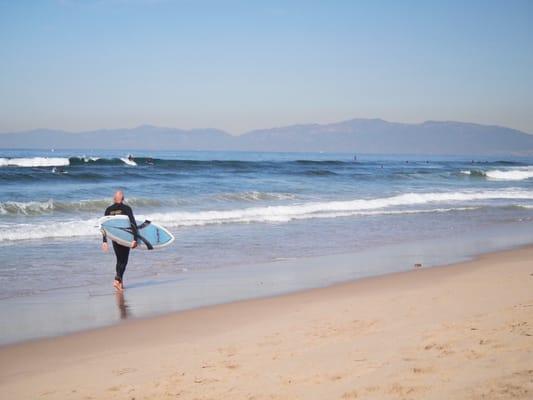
(457, 332)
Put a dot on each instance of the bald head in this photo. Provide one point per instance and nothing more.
(118, 197)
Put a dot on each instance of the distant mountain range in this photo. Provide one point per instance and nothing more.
(353, 136)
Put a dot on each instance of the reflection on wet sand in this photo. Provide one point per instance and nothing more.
(122, 305)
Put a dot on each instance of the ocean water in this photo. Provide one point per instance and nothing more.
(230, 210)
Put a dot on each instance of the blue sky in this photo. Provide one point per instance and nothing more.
(239, 65)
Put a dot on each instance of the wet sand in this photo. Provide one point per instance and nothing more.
(456, 332)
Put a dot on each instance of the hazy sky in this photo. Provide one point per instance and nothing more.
(239, 65)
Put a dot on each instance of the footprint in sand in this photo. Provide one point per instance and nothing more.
(423, 370)
(444, 349)
(472, 354)
(229, 351)
(404, 390)
(518, 385)
(520, 327)
(269, 342)
(123, 371)
(350, 395)
(335, 330)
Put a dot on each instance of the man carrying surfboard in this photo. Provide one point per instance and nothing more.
(121, 252)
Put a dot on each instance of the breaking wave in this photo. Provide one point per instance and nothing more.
(64, 166)
(454, 201)
(34, 162)
(516, 174)
(46, 207)
(254, 196)
(128, 161)
(285, 213)
(35, 208)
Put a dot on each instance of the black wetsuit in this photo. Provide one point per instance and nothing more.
(121, 252)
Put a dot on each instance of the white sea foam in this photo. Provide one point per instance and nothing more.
(48, 206)
(26, 208)
(71, 229)
(34, 162)
(88, 159)
(254, 196)
(329, 209)
(127, 161)
(454, 201)
(515, 174)
(65, 229)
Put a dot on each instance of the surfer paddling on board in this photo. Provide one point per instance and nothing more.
(121, 252)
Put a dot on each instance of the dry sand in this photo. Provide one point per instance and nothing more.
(456, 332)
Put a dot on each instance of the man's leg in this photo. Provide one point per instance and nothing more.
(122, 253)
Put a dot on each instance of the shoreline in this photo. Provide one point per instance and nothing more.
(385, 275)
(68, 311)
(219, 332)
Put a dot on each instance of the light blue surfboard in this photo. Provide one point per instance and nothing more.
(151, 235)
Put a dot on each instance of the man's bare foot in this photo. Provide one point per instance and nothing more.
(118, 285)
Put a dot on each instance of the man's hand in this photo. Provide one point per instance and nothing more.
(105, 247)
(133, 244)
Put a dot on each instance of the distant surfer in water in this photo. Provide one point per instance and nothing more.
(121, 252)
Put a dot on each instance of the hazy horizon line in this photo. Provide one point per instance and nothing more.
(297, 124)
